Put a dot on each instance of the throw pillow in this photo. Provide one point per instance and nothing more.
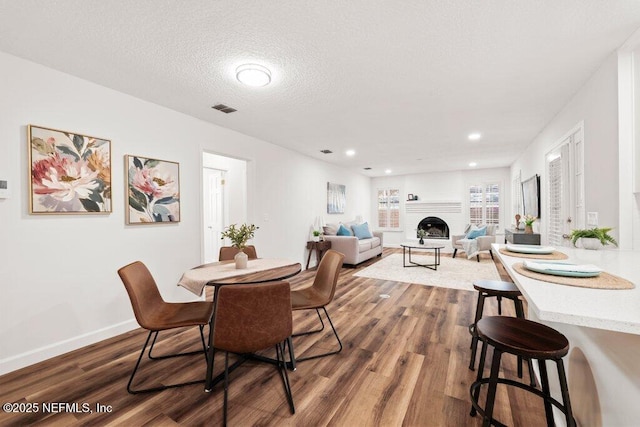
(476, 232)
(330, 229)
(343, 231)
(361, 231)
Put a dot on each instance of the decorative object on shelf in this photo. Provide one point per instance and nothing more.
(317, 235)
(69, 173)
(518, 221)
(410, 197)
(592, 238)
(336, 198)
(421, 235)
(528, 223)
(415, 197)
(239, 237)
(153, 188)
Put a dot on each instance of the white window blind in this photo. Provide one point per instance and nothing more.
(556, 220)
(484, 203)
(389, 208)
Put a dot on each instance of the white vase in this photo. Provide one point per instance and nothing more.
(590, 243)
(241, 260)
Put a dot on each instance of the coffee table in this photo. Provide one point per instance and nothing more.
(407, 247)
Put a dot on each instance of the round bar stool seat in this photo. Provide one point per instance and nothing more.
(526, 339)
(499, 290)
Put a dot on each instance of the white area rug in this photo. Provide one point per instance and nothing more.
(457, 273)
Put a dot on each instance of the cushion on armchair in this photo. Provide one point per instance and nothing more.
(476, 232)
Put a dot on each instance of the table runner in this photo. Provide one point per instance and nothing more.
(555, 255)
(197, 278)
(603, 281)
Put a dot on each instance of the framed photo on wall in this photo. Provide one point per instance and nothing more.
(336, 198)
(153, 190)
(69, 173)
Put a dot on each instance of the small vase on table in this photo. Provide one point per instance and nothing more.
(241, 260)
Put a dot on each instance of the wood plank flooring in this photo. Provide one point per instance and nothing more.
(404, 363)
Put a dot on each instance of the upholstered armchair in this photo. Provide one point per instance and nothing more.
(483, 242)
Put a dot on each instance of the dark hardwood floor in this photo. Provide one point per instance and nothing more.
(404, 363)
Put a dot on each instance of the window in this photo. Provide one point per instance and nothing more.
(389, 208)
(484, 203)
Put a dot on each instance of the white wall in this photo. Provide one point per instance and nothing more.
(595, 104)
(438, 187)
(60, 289)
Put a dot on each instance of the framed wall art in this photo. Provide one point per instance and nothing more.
(336, 198)
(69, 173)
(153, 190)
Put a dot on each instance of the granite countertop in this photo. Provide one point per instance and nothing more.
(614, 310)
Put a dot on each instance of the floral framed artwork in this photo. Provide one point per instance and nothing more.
(70, 173)
(153, 190)
(336, 198)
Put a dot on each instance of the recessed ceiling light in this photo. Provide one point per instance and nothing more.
(350, 152)
(253, 75)
(473, 164)
(387, 171)
(474, 136)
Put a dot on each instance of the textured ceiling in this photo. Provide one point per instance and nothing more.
(401, 82)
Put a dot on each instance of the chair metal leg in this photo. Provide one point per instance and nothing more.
(152, 389)
(472, 327)
(478, 257)
(285, 377)
(476, 393)
(544, 379)
(315, 331)
(168, 356)
(226, 386)
(335, 333)
(455, 251)
(493, 385)
(292, 358)
(564, 389)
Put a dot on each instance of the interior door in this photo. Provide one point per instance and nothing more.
(213, 197)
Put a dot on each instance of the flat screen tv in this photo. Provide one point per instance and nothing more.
(531, 196)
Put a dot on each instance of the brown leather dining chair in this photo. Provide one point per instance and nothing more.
(317, 296)
(228, 252)
(250, 318)
(155, 315)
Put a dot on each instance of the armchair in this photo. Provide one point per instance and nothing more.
(481, 244)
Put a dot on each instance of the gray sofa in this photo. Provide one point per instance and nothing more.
(355, 250)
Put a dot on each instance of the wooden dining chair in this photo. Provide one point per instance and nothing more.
(228, 252)
(317, 296)
(155, 315)
(251, 318)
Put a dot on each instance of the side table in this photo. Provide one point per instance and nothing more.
(320, 247)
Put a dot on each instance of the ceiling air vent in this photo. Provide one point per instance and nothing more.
(326, 151)
(224, 108)
(367, 169)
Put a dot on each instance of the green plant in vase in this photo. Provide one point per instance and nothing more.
(421, 235)
(239, 236)
(595, 233)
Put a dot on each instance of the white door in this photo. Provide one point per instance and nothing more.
(213, 180)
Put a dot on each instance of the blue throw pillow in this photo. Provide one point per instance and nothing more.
(361, 231)
(343, 231)
(477, 232)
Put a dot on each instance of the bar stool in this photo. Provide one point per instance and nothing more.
(528, 340)
(498, 289)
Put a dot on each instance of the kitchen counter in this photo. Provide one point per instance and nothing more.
(614, 310)
(603, 329)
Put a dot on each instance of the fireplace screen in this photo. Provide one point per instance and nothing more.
(435, 227)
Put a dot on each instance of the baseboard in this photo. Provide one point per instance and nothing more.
(22, 360)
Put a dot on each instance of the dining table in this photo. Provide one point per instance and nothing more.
(225, 273)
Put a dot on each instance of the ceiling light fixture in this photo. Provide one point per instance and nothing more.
(474, 136)
(253, 75)
(387, 171)
(473, 164)
(350, 153)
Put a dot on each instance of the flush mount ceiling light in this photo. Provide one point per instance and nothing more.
(473, 164)
(350, 153)
(387, 171)
(253, 75)
(474, 136)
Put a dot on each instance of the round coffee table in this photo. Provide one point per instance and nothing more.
(406, 250)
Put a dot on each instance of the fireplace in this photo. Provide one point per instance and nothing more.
(435, 227)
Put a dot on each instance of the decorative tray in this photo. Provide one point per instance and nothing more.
(531, 249)
(563, 269)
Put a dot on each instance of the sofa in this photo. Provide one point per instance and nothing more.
(483, 243)
(355, 247)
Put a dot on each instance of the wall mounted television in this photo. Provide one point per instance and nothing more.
(531, 196)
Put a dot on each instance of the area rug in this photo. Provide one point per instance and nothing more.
(457, 273)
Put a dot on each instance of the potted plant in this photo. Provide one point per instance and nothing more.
(316, 235)
(421, 235)
(592, 238)
(528, 223)
(239, 237)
